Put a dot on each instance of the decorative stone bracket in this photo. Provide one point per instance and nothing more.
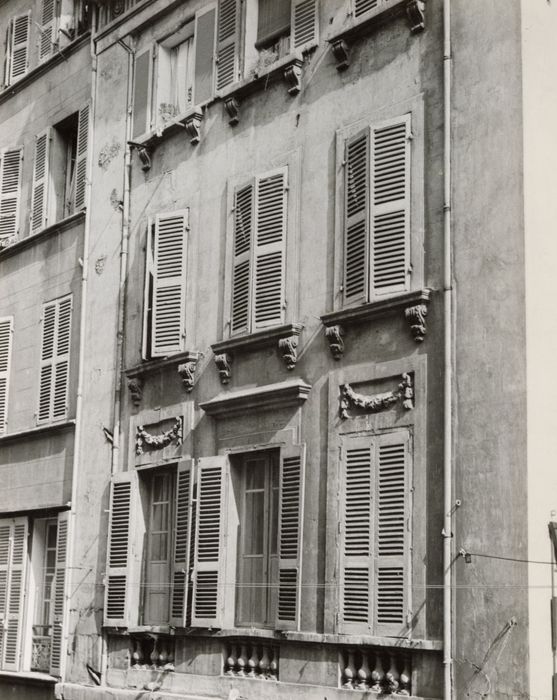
(223, 362)
(192, 124)
(187, 371)
(185, 363)
(415, 315)
(144, 152)
(135, 385)
(377, 402)
(158, 442)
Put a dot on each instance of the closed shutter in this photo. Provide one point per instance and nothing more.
(356, 217)
(213, 476)
(6, 333)
(41, 181)
(5, 548)
(13, 559)
(10, 192)
(305, 24)
(390, 206)
(142, 93)
(269, 254)
(241, 275)
(169, 281)
(118, 556)
(55, 360)
(47, 29)
(290, 536)
(19, 50)
(205, 32)
(81, 158)
(228, 40)
(182, 542)
(148, 292)
(59, 596)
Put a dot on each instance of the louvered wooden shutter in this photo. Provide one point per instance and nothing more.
(269, 253)
(241, 275)
(390, 206)
(10, 192)
(182, 542)
(305, 24)
(142, 93)
(356, 217)
(228, 40)
(118, 556)
(213, 474)
(148, 292)
(13, 559)
(47, 29)
(205, 32)
(59, 595)
(55, 360)
(169, 281)
(19, 50)
(6, 333)
(290, 536)
(41, 181)
(81, 159)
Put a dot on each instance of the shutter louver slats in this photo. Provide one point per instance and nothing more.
(48, 29)
(19, 54)
(13, 557)
(81, 158)
(59, 595)
(227, 37)
(10, 192)
(5, 531)
(304, 23)
(241, 276)
(356, 217)
(181, 564)
(118, 551)
(55, 360)
(6, 333)
(40, 188)
(363, 6)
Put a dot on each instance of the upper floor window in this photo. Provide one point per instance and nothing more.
(17, 48)
(11, 167)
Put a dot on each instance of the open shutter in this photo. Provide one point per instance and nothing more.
(390, 206)
(81, 158)
(391, 533)
(148, 292)
(41, 181)
(5, 532)
(205, 32)
(228, 40)
(356, 518)
(290, 536)
(142, 93)
(6, 333)
(48, 351)
(213, 475)
(269, 254)
(13, 620)
(182, 543)
(356, 217)
(10, 192)
(62, 365)
(19, 50)
(118, 555)
(59, 595)
(305, 24)
(241, 275)
(169, 283)
(47, 29)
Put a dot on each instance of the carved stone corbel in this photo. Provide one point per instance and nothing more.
(293, 76)
(288, 348)
(232, 107)
(415, 315)
(336, 343)
(135, 385)
(415, 13)
(341, 52)
(187, 371)
(145, 157)
(192, 124)
(223, 362)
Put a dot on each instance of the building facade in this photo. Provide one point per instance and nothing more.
(271, 286)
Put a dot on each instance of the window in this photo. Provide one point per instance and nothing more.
(43, 619)
(175, 74)
(55, 360)
(10, 193)
(17, 54)
(6, 333)
(165, 285)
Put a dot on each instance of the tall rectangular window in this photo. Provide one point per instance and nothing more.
(11, 162)
(43, 618)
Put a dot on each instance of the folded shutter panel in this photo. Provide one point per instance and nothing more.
(269, 254)
(228, 39)
(7, 55)
(356, 217)
(390, 206)
(168, 331)
(10, 192)
(182, 542)
(290, 536)
(391, 533)
(47, 29)
(241, 275)
(59, 596)
(148, 292)
(5, 539)
(142, 93)
(6, 333)
(41, 177)
(122, 497)
(81, 158)
(62, 365)
(48, 352)
(13, 625)
(19, 53)
(205, 32)
(305, 24)
(356, 517)
(213, 475)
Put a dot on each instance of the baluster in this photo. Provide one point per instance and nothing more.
(170, 644)
(253, 661)
(163, 654)
(377, 675)
(137, 656)
(231, 660)
(264, 663)
(242, 660)
(390, 682)
(364, 672)
(273, 666)
(349, 671)
(405, 677)
(154, 654)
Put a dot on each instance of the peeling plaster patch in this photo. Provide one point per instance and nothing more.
(108, 153)
(99, 264)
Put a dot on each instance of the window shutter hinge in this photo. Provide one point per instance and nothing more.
(339, 527)
(410, 136)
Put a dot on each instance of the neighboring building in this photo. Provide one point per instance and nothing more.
(223, 331)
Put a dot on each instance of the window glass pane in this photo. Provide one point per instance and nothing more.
(254, 523)
(255, 474)
(273, 19)
(159, 550)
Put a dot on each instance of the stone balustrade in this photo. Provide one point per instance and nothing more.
(382, 671)
(251, 660)
(152, 652)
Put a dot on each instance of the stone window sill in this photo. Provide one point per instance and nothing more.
(271, 396)
(28, 677)
(414, 306)
(285, 337)
(19, 244)
(38, 430)
(184, 362)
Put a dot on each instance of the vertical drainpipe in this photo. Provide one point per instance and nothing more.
(448, 360)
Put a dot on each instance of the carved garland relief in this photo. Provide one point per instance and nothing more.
(377, 402)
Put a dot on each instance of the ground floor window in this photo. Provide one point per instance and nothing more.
(43, 622)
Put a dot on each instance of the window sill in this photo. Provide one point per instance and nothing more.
(39, 430)
(184, 362)
(20, 244)
(271, 396)
(285, 337)
(414, 305)
(354, 28)
(28, 677)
